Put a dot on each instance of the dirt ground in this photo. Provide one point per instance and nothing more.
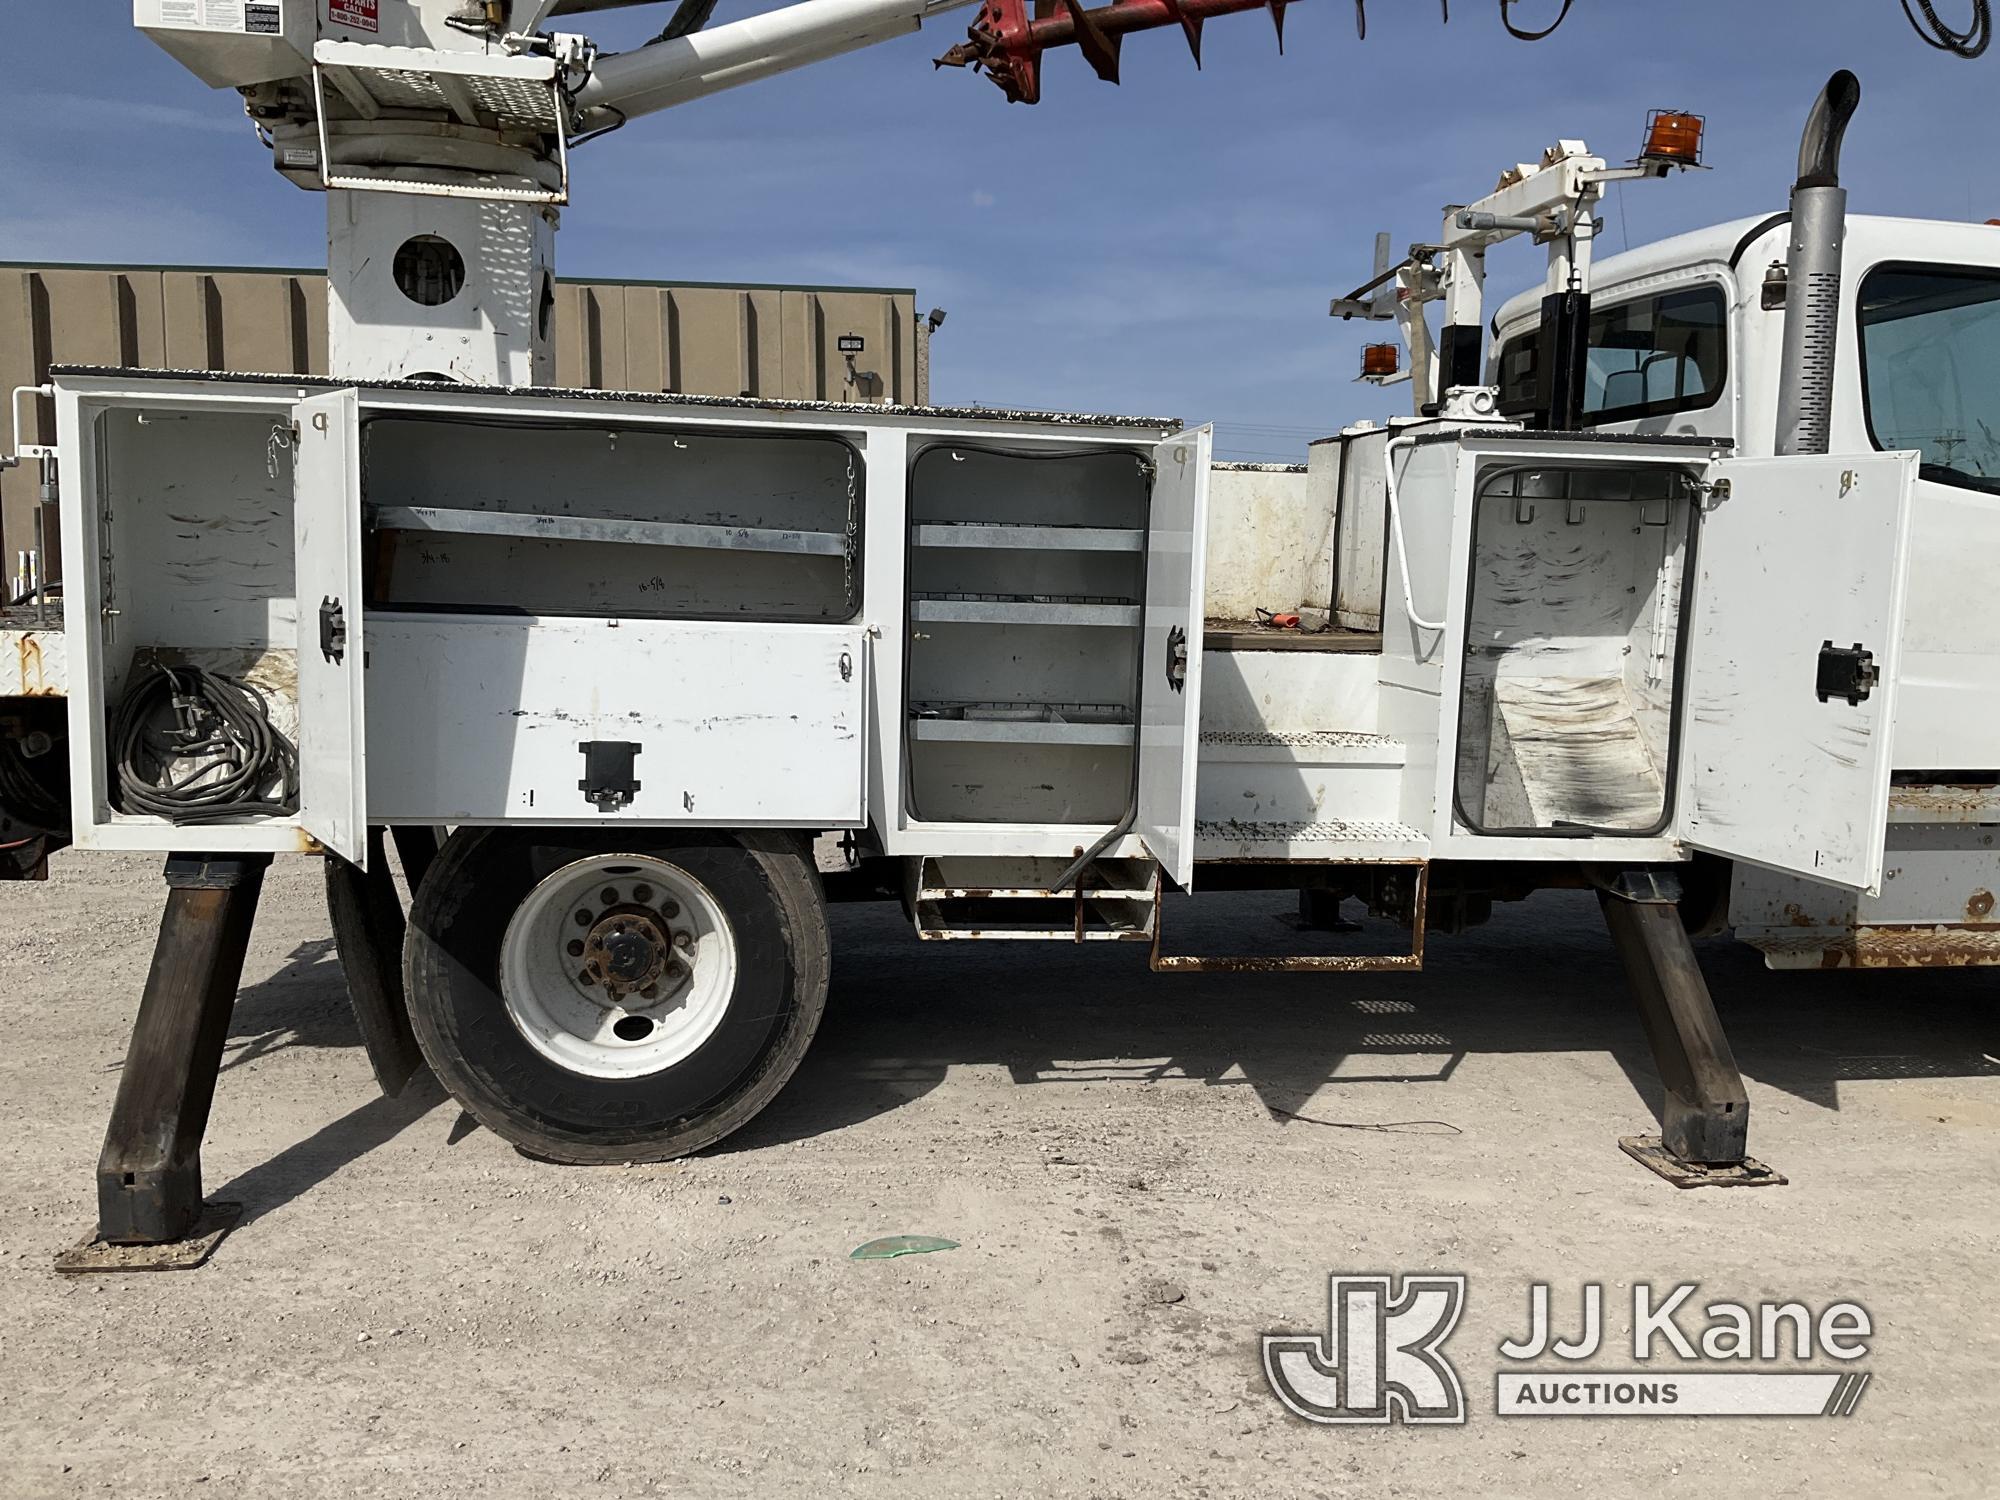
(1141, 1173)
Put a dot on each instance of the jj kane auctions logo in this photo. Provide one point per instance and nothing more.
(1382, 1357)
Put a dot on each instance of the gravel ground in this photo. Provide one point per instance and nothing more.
(1144, 1175)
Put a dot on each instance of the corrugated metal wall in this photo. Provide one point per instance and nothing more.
(706, 340)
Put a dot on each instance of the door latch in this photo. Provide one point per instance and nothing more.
(608, 783)
(1845, 672)
(332, 630)
(1177, 659)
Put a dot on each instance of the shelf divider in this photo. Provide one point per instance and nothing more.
(1006, 537)
(1023, 612)
(610, 529)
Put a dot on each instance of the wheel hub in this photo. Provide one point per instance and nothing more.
(618, 965)
(628, 951)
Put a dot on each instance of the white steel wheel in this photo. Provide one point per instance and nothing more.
(617, 966)
(608, 995)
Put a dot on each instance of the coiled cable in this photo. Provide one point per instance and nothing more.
(220, 759)
(27, 792)
(1525, 34)
(1967, 43)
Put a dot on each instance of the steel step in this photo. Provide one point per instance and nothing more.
(997, 898)
(1321, 747)
(1275, 777)
(1324, 839)
(1875, 946)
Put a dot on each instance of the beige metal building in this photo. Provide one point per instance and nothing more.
(699, 338)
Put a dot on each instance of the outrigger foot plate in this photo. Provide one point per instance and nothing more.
(1648, 1151)
(94, 1254)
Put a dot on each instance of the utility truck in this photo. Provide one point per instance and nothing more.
(1670, 597)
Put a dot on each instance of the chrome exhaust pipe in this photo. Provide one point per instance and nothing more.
(1812, 278)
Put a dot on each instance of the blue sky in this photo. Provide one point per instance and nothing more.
(1166, 247)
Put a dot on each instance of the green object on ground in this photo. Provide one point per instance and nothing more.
(891, 1246)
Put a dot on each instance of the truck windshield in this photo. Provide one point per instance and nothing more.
(1930, 363)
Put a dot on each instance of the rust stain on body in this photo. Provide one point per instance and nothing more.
(1929, 947)
(1940, 803)
(34, 682)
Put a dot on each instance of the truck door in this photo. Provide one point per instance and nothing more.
(326, 494)
(1170, 676)
(1793, 650)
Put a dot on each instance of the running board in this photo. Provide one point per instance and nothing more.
(971, 898)
(1313, 963)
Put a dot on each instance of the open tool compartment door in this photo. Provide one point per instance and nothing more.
(1170, 676)
(1794, 647)
(326, 518)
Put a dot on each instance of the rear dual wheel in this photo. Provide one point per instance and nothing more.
(598, 995)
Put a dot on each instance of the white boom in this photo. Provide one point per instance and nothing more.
(441, 137)
(673, 71)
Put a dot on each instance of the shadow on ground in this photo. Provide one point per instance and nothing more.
(1541, 977)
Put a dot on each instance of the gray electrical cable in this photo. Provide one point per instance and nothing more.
(222, 734)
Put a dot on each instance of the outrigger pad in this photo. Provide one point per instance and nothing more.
(1648, 1151)
(94, 1254)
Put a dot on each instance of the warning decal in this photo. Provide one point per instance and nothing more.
(203, 15)
(362, 15)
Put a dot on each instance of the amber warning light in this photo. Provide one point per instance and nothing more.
(1673, 136)
(1379, 360)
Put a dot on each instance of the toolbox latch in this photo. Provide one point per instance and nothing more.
(332, 630)
(607, 782)
(1845, 672)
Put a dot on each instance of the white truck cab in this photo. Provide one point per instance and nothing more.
(1685, 338)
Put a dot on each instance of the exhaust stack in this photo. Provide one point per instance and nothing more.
(1812, 281)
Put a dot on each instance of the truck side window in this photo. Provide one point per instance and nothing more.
(1659, 354)
(1930, 368)
(1647, 357)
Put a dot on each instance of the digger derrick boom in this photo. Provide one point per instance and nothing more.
(1006, 43)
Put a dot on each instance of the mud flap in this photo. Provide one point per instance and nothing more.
(367, 916)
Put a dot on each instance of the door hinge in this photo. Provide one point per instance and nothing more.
(1177, 659)
(1845, 672)
(332, 630)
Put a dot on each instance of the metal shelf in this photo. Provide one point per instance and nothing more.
(1014, 609)
(1006, 537)
(606, 529)
(1021, 724)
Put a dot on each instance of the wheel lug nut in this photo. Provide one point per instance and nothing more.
(642, 893)
(586, 977)
(576, 947)
(583, 919)
(683, 941)
(609, 895)
(669, 909)
(650, 992)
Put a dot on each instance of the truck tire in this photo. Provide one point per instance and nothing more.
(606, 995)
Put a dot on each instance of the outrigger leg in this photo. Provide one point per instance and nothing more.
(1705, 1117)
(368, 930)
(150, 1213)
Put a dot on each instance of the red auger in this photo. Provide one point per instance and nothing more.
(1007, 45)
